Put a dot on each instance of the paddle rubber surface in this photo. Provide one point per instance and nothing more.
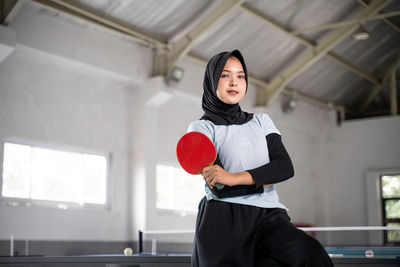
(195, 151)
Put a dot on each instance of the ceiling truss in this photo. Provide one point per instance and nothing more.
(91, 15)
(168, 55)
(332, 39)
(344, 23)
(165, 61)
(391, 24)
(375, 91)
(340, 61)
(10, 8)
(393, 93)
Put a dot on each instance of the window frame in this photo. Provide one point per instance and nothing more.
(64, 205)
(383, 200)
(373, 203)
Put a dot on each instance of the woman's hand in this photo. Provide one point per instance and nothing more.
(215, 174)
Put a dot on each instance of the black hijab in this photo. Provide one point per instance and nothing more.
(215, 110)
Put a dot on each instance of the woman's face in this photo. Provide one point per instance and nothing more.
(232, 83)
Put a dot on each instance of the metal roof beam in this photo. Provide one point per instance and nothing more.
(394, 26)
(327, 44)
(10, 14)
(164, 63)
(393, 93)
(344, 23)
(352, 68)
(375, 91)
(86, 13)
(166, 60)
(344, 63)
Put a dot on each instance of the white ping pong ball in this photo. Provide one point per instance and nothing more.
(128, 252)
(369, 253)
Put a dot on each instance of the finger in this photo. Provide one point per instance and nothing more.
(210, 181)
(207, 168)
(213, 181)
(206, 175)
(208, 171)
(209, 185)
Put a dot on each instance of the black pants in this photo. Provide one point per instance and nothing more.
(229, 235)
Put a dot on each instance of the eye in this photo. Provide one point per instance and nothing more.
(224, 75)
(241, 76)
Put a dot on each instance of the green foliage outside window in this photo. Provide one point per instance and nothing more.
(391, 205)
(391, 186)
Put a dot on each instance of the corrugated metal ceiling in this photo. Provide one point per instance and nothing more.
(269, 50)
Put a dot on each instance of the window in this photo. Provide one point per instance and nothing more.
(53, 176)
(390, 185)
(177, 190)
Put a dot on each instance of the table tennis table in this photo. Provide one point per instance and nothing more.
(341, 256)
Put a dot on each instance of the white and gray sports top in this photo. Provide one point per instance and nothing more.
(249, 147)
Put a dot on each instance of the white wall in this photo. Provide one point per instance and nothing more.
(68, 87)
(352, 150)
(355, 148)
(47, 103)
(303, 132)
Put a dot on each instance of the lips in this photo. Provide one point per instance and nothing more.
(233, 92)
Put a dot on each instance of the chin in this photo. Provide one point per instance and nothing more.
(232, 102)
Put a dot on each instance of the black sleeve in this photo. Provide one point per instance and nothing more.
(236, 190)
(280, 167)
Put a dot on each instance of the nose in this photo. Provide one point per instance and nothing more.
(232, 82)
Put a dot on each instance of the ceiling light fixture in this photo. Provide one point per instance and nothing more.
(177, 74)
(289, 105)
(361, 33)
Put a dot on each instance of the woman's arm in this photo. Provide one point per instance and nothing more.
(216, 174)
(280, 168)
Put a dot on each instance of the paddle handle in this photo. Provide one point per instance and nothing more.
(218, 185)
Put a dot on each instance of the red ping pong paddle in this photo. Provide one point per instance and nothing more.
(195, 151)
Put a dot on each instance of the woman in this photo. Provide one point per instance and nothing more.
(243, 221)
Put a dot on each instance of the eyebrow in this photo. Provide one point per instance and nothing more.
(242, 71)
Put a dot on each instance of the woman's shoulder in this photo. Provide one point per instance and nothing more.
(200, 124)
(262, 118)
(266, 123)
(204, 126)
